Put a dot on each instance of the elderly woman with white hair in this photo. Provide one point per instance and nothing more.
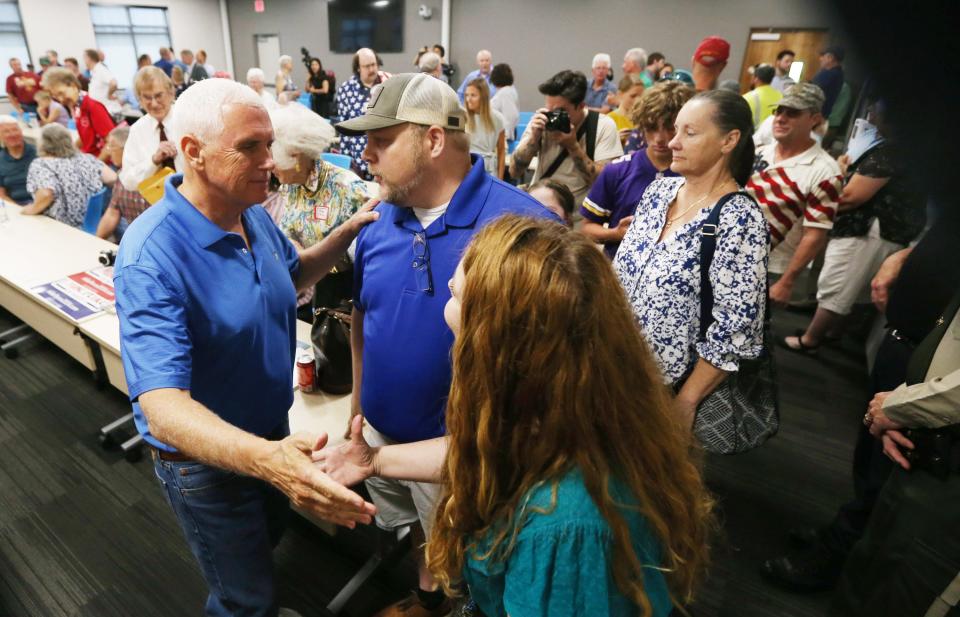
(256, 80)
(286, 88)
(62, 179)
(315, 197)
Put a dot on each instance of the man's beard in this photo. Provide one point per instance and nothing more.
(398, 195)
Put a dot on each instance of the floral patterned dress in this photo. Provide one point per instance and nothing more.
(662, 282)
(329, 197)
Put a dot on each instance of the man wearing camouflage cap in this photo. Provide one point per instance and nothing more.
(798, 185)
(434, 196)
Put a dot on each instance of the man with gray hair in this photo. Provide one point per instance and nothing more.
(635, 63)
(602, 92)
(436, 196)
(206, 297)
(484, 66)
(15, 159)
(148, 147)
(430, 63)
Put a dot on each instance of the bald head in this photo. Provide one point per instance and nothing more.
(484, 61)
(365, 65)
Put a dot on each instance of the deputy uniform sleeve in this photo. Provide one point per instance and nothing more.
(931, 404)
(155, 342)
(738, 275)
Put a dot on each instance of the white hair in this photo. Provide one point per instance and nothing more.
(600, 59)
(255, 73)
(638, 56)
(297, 130)
(482, 52)
(199, 110)
(284, 59)
(429, 62)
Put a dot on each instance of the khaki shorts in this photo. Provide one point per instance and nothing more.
(848, 267)
(400, 502)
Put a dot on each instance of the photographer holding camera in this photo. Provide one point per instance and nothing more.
(572, 144)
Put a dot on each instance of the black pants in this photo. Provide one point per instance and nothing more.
(870, 467)
(909, 553)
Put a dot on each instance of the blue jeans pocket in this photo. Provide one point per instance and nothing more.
(192, 478)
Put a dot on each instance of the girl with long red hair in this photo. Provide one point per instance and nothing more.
(568, 485)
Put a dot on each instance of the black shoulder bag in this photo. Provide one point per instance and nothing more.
(743, 411)
(588, 128)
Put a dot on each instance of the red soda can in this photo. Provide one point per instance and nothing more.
(306, 371)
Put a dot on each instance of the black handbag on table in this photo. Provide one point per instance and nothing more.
(330, 334)
(743, 411)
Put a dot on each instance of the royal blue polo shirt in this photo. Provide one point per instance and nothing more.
(406, 342)
(618, 190)
(200, 312)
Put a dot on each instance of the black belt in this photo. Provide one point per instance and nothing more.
(936, 451)
(166, 455)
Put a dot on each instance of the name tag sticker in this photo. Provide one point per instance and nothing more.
(320, 213)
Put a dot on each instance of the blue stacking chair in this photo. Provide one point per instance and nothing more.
(525, 117)
(520, 129)
(95, 207)
(339, 160)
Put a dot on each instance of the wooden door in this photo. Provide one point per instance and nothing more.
(765, 43)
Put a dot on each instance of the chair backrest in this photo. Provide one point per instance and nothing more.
(526, 117)
(520, 129)
(95, 207)
(339, 160)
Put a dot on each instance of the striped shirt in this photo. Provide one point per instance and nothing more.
(805, 187)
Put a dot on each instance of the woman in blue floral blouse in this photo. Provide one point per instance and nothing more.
(658, 262)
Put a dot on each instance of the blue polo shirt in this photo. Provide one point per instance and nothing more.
(200, 312)
(13, 173)
(406, 342)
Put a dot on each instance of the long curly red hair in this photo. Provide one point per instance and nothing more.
(550, 373)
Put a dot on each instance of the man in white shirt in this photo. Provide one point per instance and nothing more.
(148, 147)
(103, 85)
(798, 186)
(573, 156)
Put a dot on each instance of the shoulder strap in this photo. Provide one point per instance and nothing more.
(584, 129)
(593, 119)
(708, 244)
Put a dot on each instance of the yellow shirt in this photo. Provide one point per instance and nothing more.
(621, 120)
(763, 101)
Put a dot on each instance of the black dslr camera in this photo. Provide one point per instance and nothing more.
(108, 257)
(305, 57)
(558, 120)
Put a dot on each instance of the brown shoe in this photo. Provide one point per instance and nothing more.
(411, 607)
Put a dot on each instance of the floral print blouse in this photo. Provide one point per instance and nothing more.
(330, 196)
(662, 282)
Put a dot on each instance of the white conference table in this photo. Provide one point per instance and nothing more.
(313, 412)
(35, 250)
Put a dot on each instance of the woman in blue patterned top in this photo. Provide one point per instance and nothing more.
(658, 262)
(566, 492)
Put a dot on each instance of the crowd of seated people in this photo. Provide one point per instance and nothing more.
(636, 168)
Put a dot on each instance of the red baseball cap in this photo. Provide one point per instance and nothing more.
(712, 50)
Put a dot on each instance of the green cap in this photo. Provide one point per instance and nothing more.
(408, 97)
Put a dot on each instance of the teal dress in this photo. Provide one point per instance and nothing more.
(561, 562)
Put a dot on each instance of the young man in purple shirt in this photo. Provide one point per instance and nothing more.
(609, 206)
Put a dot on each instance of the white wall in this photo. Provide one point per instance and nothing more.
(65, 26)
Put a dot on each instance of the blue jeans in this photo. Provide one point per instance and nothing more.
(232, 523)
